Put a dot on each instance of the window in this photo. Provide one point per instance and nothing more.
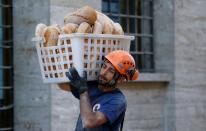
(136, 18)
(6, 62)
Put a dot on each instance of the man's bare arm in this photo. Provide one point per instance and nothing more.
(64, 86)
(90, 119)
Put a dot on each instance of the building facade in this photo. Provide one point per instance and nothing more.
(170, 92)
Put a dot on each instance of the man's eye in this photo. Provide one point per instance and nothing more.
(112, 70)
(104, 66)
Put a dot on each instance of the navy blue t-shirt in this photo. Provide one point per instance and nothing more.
(112, 105)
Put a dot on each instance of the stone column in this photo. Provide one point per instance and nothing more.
(31, 97)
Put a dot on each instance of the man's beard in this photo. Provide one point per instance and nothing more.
(103, 81)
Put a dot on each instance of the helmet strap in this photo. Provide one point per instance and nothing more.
(114, 81)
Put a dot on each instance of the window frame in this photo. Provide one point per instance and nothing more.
(143, 43)
(6, 66)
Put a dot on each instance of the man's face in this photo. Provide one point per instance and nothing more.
(106, 73)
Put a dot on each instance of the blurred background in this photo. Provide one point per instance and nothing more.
(169, 49)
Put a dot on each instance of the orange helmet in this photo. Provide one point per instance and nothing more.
(124, 64)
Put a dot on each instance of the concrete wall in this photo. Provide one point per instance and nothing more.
(146, 106)
(190, 61)
(31, 97)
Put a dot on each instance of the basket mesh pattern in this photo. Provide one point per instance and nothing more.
(56, 60)
(94, 52)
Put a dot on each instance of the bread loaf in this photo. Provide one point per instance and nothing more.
(84, 14)
(40, 29)
(69, 28)
(117, 29)
(107, 23)
(84, 20)
(88, 13)
(74, 19)
(51, 34)
(84, 28)
(107, 28)
(98, 28)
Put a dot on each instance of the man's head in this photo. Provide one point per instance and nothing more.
(107, 73)
(117, 64)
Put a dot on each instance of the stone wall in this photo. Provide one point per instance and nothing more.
(31, 97)
(146, 104)
(190, 61)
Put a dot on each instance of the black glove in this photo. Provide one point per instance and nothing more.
(78, 83)
(75, 92)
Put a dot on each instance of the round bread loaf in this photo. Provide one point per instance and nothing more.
(106, 22)
(69, 28)
(40, 29)
(117, 29)
(107, 28)
(84, 28)
(98, 28)
(88, 13)
(51, 34)
(84, 14)
(101, 18)
(74, 19)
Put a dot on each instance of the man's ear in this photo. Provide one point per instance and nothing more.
(121, 79)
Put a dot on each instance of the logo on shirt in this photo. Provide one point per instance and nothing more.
(96, 107)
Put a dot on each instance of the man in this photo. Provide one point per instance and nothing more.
(102, 104)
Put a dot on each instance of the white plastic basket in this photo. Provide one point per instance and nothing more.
(83, 51)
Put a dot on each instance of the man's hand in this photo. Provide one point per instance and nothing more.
(77, 83)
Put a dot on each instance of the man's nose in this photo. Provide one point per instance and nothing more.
(104, 71)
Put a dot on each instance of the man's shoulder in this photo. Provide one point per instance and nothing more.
(92, 83)
(116, 95)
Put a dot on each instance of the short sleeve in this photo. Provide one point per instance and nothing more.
(113, 108)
